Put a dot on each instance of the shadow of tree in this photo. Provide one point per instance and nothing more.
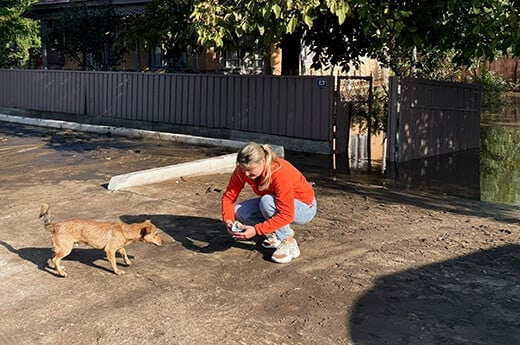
(39, 256)
(199, 234)
(473, 299)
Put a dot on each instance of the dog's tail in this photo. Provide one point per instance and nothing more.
(46, 215)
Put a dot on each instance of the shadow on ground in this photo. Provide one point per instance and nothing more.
(474, 299)
(39, 256)
(199, 234)
(66, 140)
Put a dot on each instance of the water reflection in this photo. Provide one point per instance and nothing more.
(500, 154)
(509, 115)
(500, 164)
(453, 174)
(490, 174)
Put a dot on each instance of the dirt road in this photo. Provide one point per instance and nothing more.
(378, 266)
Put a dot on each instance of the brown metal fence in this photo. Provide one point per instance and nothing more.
(429, 118)
(297, 107)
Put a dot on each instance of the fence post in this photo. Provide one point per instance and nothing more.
(343, 112)
(369, 124)
(391, 127)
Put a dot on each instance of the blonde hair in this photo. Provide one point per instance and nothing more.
(253, 153)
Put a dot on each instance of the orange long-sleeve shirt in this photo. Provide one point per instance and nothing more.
(287, 184)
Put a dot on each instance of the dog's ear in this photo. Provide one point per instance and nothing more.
(145, 230)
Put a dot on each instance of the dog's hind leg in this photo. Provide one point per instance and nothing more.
(60, 254)
(122, 252)
(111, 256)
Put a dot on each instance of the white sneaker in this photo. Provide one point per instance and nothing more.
(286, 252)
(272, 242)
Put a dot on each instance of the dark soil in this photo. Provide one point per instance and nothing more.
(378, 266)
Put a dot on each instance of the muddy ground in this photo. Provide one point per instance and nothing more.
(378, 265)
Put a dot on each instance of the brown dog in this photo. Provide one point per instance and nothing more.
(109, 236)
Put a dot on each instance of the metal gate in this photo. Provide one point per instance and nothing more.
(429, 118)
(352, 103)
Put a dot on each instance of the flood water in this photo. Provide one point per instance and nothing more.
(491, 173)
(500, 155)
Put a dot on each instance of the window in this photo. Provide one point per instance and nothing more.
(236, 62)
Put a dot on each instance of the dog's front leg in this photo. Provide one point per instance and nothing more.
(111, 255)
(122, 252)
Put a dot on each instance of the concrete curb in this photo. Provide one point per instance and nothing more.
(120, 131)
(214, 165)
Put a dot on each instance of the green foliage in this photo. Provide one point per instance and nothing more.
(440, 66)
(378, 109)
(18, 36)
(256, 24)
(408, 35)
(432, 64)
(166, 24)
(500, 164)
(393, 32)
(494, 91)
(82, 31)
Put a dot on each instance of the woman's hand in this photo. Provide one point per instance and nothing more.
(229, 226)
(249, 232)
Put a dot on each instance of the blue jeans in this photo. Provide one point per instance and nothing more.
(254, 211)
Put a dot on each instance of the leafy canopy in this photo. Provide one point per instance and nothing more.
(166, 24)
(81, 31)
(342, 31)
(18, 36)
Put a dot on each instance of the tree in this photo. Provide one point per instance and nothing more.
(85, 34)
(257, 25)
(18, 36)
(341, 31)
(167, 25)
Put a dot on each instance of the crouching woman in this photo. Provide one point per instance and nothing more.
(284, 197)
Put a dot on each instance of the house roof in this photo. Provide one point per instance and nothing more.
(49, 9)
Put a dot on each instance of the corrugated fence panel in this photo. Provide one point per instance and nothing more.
(260, 91)
(306, 124)
(230, 104)
(274, 126)
(290, 109)
(3, 87)
(282, 105)
(244, 100)
(154, 98)
(11, 88)
(209, 112)
(278, 105)
(170, 114)
(437, 118)
(267, 104)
